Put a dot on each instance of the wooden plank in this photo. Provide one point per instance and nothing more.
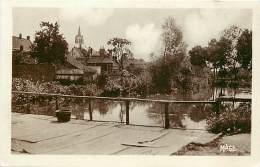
(170, 143)
(235, 99)
(35, 130)
(81, 137)
(55, 144)
(109, 144)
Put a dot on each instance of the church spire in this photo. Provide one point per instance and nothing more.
(79, 34)
(79, 38)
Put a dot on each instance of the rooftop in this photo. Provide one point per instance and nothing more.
(99, 60)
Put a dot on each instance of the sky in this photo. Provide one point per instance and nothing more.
(141, 26)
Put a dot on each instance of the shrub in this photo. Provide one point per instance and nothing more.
(102, 80)
(230, 120)
(112, 89)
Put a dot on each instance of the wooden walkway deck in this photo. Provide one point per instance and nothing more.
(39, 134)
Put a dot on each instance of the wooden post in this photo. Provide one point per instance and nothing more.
(56, 103)
(166, 116)
(217, 106)
(28, 105)
(90, 110)
(127, 112)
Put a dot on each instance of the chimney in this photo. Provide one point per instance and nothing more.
(110, 52)
(102, 51)
(20, 36)
(28, 38)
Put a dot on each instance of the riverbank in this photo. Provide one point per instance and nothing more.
(234, 145)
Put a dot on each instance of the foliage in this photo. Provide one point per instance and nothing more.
(22, 58)
(184, 79)
(172, 38)
(120, 51)
(174, 47)
(166, 68)
(142, 85)
(223, 52)
(112, 89)
(160, 77)
(102, 80)
(232, 34)
(134, 69)
(127, 84)
(19, 84)
(232, 51)
(198, 56)
(49, 45)
(244, 49)
(230, 120)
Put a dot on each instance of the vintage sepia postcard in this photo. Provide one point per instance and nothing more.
(156, 81)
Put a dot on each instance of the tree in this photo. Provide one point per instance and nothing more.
(223, 52)
(232, 34)
(244, 49)
(218, 53)
(198, 56)
(184, 79)
(160, 76)
(49, 45)
(120, 51)
(174, 47)
(166, 68)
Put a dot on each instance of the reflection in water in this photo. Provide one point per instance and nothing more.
(141, 113)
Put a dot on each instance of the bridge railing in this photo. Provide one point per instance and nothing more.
(128, 100)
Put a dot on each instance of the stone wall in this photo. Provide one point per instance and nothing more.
(34, 72)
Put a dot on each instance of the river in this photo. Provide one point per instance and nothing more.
(188, 116)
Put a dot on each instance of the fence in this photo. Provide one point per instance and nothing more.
(127, 101)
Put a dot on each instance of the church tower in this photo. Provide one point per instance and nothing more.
(79, 39)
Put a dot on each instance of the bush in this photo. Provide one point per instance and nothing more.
(112, 89)
(19, 84)
(102, 80)
(230, 120)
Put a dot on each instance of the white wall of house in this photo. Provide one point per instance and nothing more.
(97, 68)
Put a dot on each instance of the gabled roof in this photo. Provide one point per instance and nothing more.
(18, 42)
(71, 60)
(99, 60)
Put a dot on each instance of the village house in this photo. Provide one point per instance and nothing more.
(21, 44)
(101, 59)
(21, 50)
(77, 69)
(26, 67)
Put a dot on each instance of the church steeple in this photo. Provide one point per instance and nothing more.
(79, 34)
(79, 38)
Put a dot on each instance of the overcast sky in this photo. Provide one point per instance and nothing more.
(141, 26)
